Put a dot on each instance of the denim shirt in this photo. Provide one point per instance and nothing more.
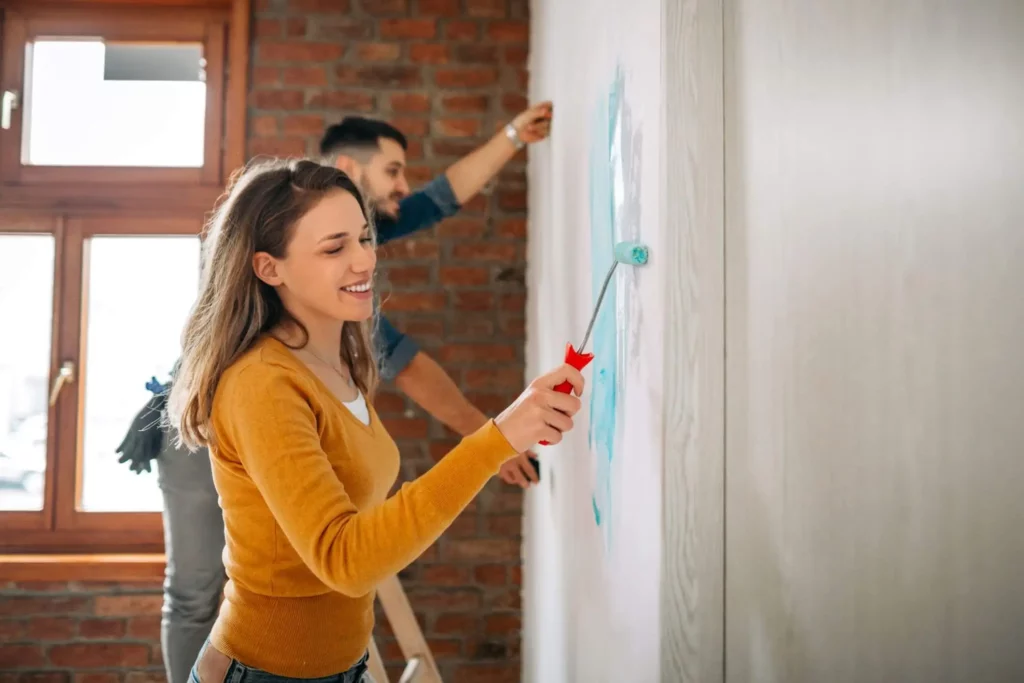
(419, 211)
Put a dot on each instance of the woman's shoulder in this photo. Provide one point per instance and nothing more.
(264, 371)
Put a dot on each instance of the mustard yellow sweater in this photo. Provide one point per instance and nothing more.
(310, 530)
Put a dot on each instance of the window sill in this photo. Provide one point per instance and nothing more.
(138, 567)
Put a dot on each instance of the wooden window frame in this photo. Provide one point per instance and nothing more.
(61, 540)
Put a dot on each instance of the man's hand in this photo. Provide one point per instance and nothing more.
(519, 471)
(534, 124)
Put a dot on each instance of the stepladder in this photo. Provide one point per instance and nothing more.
(420, 666)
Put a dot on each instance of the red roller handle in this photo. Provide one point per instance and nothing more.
(577, 360)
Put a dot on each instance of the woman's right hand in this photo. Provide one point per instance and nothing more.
(541, 413)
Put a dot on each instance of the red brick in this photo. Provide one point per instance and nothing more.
(98, 678)
(457, 128)
(455, 623)
(412, 248)
(464, 276)
(268, 28)
(378, 52)
(418, 175)
(486, 251)
(415, 301)
(469, 353)
(507, 526)
(522, 78)
(19, 656)
(146, 677)
(278, 99)
(414, 151)
(513, 302)
(487, 673)
(461, 228)
(343, 28)
(413, 127)
(445, 574)
(101, 628)
(347, 100)
(514, 103)
(438, 8)
(320, 6)
(462, 30)
(423, 328)
(381, 8)
(99, 655)
(409, 275)
(445, 648)
(408, 29)
(464, 526)
(278, 147)
(266, 75)
(492, 9)
(263, 126)
(513, 326)
(128, 605)
(476, 205)
(516, 54)
(466, 103)
(294, 76)
(505, 600)
(156, 654)
(512, 200)
(476, 54)
(430, 53)
(468, 77)
(471, 326)
(298, 51)
(39, 605)
(452, 148)
(303, 124)
(296, 27)
(502, 623)
(473, 301)
(50, 628)
(44, 586)
(494, 379)
(508, 31)
(145, 628)
(516, 575)
(390, 76)
(406, 428)
(454, 600)
(387, 402)
(11, 630)
(490, 574)
(511, 227)
(410, 102)
(44, 677)
(493, 404)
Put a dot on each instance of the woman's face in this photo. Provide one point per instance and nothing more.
(327, 271)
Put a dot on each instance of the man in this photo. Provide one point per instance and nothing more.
(373, 153)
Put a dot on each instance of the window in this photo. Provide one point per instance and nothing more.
(113, 98)
(98, 303)
(119, 124)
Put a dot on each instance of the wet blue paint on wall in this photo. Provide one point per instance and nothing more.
(605, 380)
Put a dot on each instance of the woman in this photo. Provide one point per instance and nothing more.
(276, 378)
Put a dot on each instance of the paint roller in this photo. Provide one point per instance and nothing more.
(629, 253)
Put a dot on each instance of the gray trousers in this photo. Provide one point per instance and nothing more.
(194, 542)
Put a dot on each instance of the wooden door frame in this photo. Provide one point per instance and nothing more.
(693, 192)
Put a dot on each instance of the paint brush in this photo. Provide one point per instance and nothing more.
(629, 253)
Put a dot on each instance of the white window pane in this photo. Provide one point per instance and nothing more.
(76, 117)
(26, 296)
(139, 293)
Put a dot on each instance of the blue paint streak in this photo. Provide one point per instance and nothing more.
(605, 382)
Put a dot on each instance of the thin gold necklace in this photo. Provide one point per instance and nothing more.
(347, 378)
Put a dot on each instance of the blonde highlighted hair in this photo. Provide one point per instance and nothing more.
(234, 307)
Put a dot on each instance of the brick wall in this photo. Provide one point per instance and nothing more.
(448, 73)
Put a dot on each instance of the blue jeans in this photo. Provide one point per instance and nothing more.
(240, 673)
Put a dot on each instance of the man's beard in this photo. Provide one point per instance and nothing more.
(376, 204)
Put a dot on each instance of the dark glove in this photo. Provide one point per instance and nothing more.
(145, 438)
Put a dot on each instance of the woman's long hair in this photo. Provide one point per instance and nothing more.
(234, 307)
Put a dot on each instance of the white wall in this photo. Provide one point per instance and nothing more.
(592, 591)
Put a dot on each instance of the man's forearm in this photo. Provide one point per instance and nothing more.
(469, 174)
(426, 383)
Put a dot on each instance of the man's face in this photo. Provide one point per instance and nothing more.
(383, 180)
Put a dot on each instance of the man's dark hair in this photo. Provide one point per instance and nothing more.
(356, 133)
